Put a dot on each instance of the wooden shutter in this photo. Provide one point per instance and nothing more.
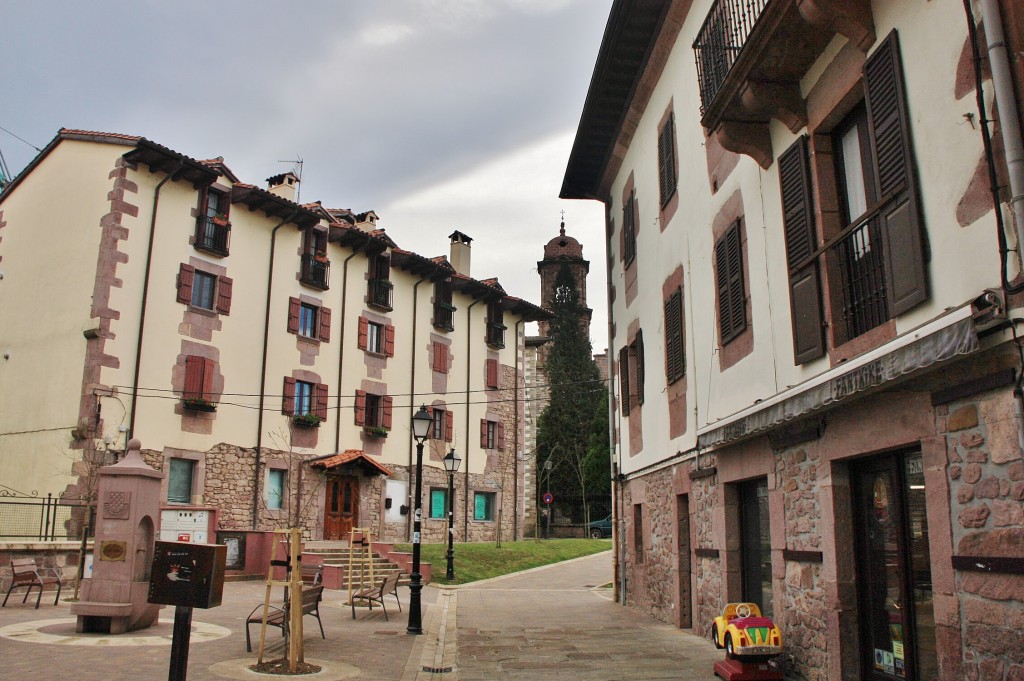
(186, 277)
(388, 402)
(320, 408)
(389, 340)
(224, 285)
(288, 401)
(732, 311)
(905, 272)
(675, 352)
(364, 333)
(483, 433)
(666, 160)
(499, 436)
(449, 425)
(638, 355)
(492, 373)
(624, 379)
(193, 377)
(360, 410)
(798, 224)
(325, 324)
(294, 312)
(440, 363)
(629, 229)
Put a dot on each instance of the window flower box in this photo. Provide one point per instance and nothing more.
(199, 404)
(309, 420)
(220, 219)
(376, 431)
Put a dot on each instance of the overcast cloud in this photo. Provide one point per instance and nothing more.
(437, 114)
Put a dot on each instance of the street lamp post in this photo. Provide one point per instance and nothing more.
(420, 428)
(451, 465)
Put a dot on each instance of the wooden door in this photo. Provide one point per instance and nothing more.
(341, 510)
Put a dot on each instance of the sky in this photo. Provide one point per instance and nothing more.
(437, 114)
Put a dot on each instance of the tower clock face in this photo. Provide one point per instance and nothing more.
(562, 294)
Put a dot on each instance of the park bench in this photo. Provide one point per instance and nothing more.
(25, 573)
(279, 617)
(376, 594)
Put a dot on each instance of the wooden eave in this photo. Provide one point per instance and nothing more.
(160, 159)
(273, 206)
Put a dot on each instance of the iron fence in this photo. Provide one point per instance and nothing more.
(46, 518)
(570, 513)
(719, 42)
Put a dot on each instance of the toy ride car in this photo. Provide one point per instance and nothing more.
(745, 634)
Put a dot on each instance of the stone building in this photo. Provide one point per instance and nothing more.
(268, 355)
(812, 211)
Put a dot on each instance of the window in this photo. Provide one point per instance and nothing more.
(373, 410)
(440, 362)
(304, 397)
(492, 434)
(309, 320)
(495, 335)
(491, 373)
(667, 160)
(198, 380)
(675, 350)
(443, 424)
(483, 505)
(274, 490)
(179, 481)
(631, 374)
(380, 286)
(629, 229)
(878, 255)
(377, 338)
(316, 268)
(638, 533)
(212, 226)
(438, 502)
(204, 290)
(732, 300)
(444, 311)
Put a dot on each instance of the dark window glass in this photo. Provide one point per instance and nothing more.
(203, 287)
(303, 397)
(179, 481)
(308, 320)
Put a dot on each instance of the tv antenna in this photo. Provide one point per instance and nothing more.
(297, 169)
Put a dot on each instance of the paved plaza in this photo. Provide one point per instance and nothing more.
(556, 622)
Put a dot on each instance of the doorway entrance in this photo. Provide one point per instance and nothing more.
(756, 544)
(341, 509)
(894, 584)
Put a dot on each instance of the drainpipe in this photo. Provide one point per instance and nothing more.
(515, 438)
(341, 340)
(263, 371)
(1009, 119)
(412, 399)
(145, 298)
(618, 574)
(469, 373)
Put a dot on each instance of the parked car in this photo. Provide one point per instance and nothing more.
(600, 529)
(745, 634)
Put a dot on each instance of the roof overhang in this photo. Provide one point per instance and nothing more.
(160, 159)
(350, 458)
(273, 205)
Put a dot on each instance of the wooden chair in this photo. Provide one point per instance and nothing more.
(25, 573)
(278, 617)
(376, 594)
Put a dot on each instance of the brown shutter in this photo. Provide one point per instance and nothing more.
(731, 299)
(207, 379)
(193, 377)
(294, 311)
(449, 425)
(666, 160)
(638, 352)
(389, 340)
(388, 401)
(288, 401)
(364, 333)
(224, 286)
(360, 407)
(492, 373)
(483, 433)
(499, 436)
(320, 408)
(437, 365)
(906, 275)
(675, 352)
(624, 379)
(798, 223)
(186, 276)
(325, 324)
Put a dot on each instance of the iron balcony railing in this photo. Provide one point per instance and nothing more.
(315, 272)
(496, 335)
(212, 237)
(719, 42)
(444, 316)
(379, 293)
(862, 266)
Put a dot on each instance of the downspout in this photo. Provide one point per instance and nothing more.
(1009, 119)
(515, 437)
(619, 553)
(465, 494)
(263, 372)
(341, 340)
(145, 299)
(412, 398)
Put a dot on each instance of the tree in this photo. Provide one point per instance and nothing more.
(573, 429)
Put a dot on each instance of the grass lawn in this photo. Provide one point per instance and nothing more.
(484, 560)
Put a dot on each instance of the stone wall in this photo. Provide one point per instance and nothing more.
(708, 578)
(660, 561)
(61, 556)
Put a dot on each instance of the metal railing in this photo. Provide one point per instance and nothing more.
(315, 271)
(719, 42)
(379, 293)
(444, 316)
(496, 334)
(211, 236)
(862, 266)
(46, 518)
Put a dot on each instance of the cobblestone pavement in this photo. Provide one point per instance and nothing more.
(555, 622)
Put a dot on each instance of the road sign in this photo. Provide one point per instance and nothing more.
(548, 498)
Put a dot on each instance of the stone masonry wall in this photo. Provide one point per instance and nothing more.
(653, 582)
(704, 497)
(986, 482)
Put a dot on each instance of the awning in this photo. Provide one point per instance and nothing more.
(354, 457)
(942, 339)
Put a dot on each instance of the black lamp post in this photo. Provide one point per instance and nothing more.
(421, 422)
(451, 464)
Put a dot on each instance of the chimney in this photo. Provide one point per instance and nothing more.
(460, 252)
(367, 221)
(284, 185)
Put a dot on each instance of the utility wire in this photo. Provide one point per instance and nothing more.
(20, 138)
